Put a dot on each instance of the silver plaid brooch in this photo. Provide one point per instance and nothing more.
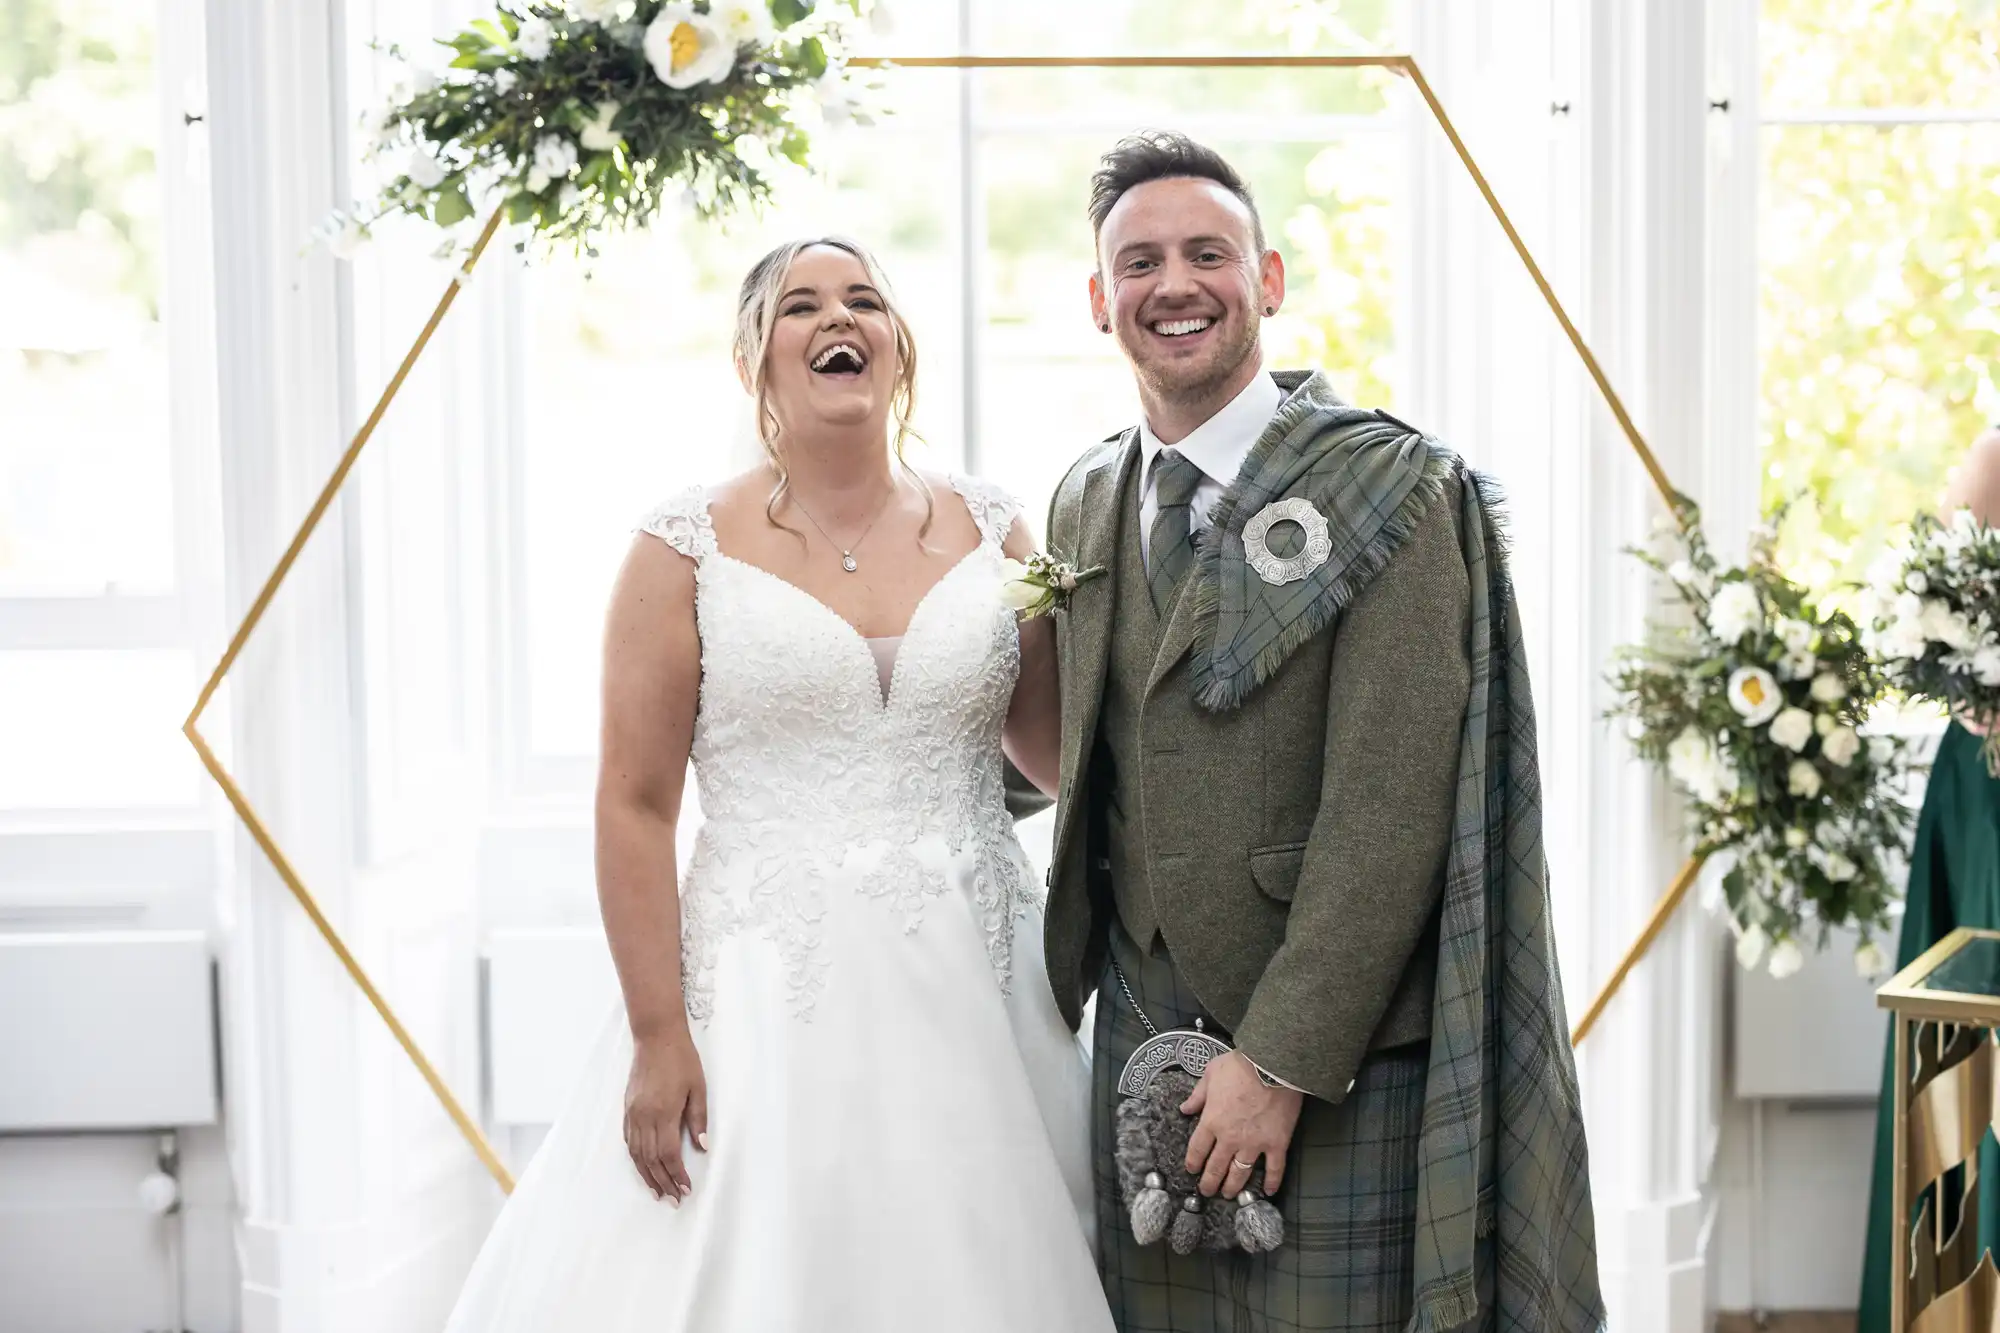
(1277, 569)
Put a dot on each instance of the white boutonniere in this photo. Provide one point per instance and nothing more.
(1041, 584)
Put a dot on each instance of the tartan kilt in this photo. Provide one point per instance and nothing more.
(1349, 1197)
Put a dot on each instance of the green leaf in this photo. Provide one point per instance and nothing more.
(788, 12)
(491, 32)
(812, 52)
(453, 205)
(521, 208)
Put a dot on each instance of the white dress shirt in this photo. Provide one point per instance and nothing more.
(1217, 446)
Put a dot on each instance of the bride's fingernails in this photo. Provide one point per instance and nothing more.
(674, 1200)
(702, 1139)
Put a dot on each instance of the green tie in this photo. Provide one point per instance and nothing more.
(1170, 548)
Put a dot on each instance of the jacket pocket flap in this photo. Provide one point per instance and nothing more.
(1276, 869)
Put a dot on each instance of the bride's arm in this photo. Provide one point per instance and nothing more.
(652, 675)
(1033, 734)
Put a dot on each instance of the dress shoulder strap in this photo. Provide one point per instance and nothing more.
(683, 523)
(993, 508)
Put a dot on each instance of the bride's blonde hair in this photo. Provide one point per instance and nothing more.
(757, 315)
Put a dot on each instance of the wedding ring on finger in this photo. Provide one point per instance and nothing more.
(1243, 1165)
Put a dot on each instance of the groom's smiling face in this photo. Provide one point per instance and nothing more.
(1181, 284)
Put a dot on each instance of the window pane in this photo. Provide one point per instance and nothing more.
(85, 481)
(1879, 53)
(1880, 327)
(1184, 27)
(1051, 383)
(630, 392)
(95, 730)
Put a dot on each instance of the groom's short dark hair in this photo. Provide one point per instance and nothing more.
(1155, 155)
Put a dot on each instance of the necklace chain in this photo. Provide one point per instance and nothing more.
(847, 560)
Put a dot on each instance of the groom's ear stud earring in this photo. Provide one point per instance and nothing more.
(1270, 310)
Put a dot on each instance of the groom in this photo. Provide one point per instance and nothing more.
(1277, 814)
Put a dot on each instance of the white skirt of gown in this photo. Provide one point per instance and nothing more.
(910, 1155)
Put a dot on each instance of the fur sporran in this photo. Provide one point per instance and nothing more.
(1163, 1197)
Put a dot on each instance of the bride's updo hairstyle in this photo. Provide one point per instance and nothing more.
(757, 314)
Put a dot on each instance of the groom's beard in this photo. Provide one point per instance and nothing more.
(1185, 386)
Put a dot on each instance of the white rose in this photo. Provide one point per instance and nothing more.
(1903, 641)
(597, 11)
(1750, 947)
(831, 89)
(598, 136)
(1802, 779)
(747, 22)
(753, 152)
(1944, 625)
(504, 81)
(1823, 724)
(1795, 838)
(1917, 583)
(1016, 594)
(1754, 694)
(1986, 664)
(1841, 746)
(1681, 572)
(1735, 611)
(1796, 635)
(555, 157)
(1797, 666)
(686, 48)
(1691, 762)
(424, 169)
(1792, 729)
(1828, 688)
(1786, 960)
(535, 38)
(1839, 869)
(1870, 960)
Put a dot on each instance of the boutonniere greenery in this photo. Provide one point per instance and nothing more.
(1042, 584)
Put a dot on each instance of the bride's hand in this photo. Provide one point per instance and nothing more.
(666, 1091)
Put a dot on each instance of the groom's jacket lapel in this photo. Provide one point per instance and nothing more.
(1087, 622)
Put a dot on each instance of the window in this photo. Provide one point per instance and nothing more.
(973, 192)
(1879, 276)
(101, 371)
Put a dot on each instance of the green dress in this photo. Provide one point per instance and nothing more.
(1954, 881)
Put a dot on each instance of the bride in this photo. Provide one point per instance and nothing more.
(839, 1095)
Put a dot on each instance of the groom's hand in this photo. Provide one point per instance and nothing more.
(1241, 1120)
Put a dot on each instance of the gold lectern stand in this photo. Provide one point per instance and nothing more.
(1945, 1008)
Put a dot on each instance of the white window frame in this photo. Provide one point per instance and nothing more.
(188, 617)
(537, 788)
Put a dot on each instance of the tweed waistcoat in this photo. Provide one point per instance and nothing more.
(1137, 629)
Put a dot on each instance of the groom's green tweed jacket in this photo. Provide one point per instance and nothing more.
(1300, 744)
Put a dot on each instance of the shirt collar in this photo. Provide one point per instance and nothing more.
(1219, 445)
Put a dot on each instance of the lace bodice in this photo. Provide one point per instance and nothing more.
(801, 762)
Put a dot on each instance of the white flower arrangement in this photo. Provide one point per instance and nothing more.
(1932, 606)
(586, 115)
(1754, 699)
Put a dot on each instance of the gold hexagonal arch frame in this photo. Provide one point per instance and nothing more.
(1403, 65)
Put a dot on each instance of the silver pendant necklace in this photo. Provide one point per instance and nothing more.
(847, 560)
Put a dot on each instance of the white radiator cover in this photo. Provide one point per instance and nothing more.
(106, 1030)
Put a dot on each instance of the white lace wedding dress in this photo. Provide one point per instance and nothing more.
(898, 1116)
